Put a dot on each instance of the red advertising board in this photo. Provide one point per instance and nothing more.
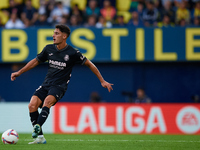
(119, 118)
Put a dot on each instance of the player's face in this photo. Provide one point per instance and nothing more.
(58, 37)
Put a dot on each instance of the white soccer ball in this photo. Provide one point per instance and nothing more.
(10, 136)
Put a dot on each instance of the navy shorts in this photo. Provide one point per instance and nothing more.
(43, 91)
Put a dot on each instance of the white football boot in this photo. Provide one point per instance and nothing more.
(39, 140)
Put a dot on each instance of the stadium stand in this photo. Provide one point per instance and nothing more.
(81, 4)
(184, 13)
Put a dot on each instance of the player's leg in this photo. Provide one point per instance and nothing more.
(33, 106)
(54, 94)
(37, 101)
(49, 101)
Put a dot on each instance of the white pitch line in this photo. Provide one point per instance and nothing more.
(96, 140)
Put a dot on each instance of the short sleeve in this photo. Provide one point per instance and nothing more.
(79, 58)
(42, 57)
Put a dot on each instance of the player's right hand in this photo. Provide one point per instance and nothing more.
(14, 75)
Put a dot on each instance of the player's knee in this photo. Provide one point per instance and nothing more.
(50, 101)
(32, 107)
(47, 103)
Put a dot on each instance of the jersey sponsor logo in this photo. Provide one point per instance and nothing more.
(57, 63)
(66, 58)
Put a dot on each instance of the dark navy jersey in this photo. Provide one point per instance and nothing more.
(61, 63)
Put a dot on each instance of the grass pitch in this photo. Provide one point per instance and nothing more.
(108, 142)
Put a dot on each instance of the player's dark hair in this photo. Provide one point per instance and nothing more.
(64, 28)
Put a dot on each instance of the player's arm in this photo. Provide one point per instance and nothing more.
(31, 64)
(94, 69)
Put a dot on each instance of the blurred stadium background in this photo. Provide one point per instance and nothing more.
(148, 49)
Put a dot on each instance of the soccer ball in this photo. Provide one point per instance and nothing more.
(10, 136)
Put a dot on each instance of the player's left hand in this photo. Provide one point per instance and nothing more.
(107, 85)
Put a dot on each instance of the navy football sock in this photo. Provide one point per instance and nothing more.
(34, 118)
(43, 116)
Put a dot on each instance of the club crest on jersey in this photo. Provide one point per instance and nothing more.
(66, 58)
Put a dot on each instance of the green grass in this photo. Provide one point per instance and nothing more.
(110, 142)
